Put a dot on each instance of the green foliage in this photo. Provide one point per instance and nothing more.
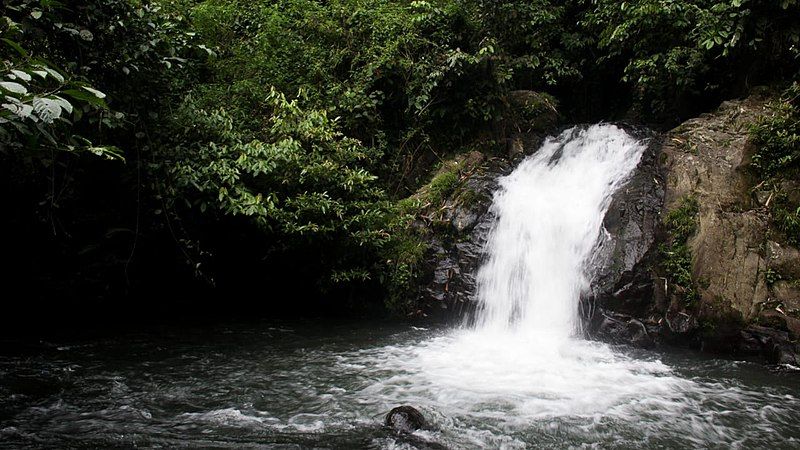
(771, 277)
(395, 76)
(681, 221)
(405, 77)
(675, 48)
(101, 72)
(777, 136)
(64, 65)
(777, 158)
(40, 102)
(300, 123)
(300, 180)
(786, 217)
(676, 257)
(536, 41)
(353, 57)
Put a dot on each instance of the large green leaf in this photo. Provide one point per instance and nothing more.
(14, 88)
(86, 96)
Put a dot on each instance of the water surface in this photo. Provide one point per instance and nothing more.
(328, 385)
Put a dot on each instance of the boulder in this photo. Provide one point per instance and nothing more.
(774, 345)
(405, 419)
(784, 260)
(622, 329)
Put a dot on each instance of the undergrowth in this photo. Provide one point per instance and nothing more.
(776, 161)
(676, 255)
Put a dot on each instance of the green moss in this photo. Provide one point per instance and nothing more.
(410, 205)
(469, 197)
(442, 185)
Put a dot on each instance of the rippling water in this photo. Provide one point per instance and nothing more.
(323, 385)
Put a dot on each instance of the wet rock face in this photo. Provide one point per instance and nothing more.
(405, 419)
(455, 252)
(625, 252)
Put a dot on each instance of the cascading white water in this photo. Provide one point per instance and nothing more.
(549, 215)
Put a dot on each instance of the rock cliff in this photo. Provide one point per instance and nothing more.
(720, 277)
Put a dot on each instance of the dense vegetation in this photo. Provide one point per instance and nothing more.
(676, 256)
(777, 161)
(153, 149)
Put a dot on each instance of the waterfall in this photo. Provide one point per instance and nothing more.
(521, 361)
(550, 213)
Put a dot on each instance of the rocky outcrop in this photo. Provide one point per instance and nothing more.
(624, 255)
(455, 250)
(742, 296)
(732, 250)
(706, 159)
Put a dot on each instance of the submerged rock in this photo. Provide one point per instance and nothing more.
(405, 419)
(774, 345)
(623, 329)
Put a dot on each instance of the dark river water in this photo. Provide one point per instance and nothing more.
(328, 385)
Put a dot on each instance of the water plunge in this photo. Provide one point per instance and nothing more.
(523, 354)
